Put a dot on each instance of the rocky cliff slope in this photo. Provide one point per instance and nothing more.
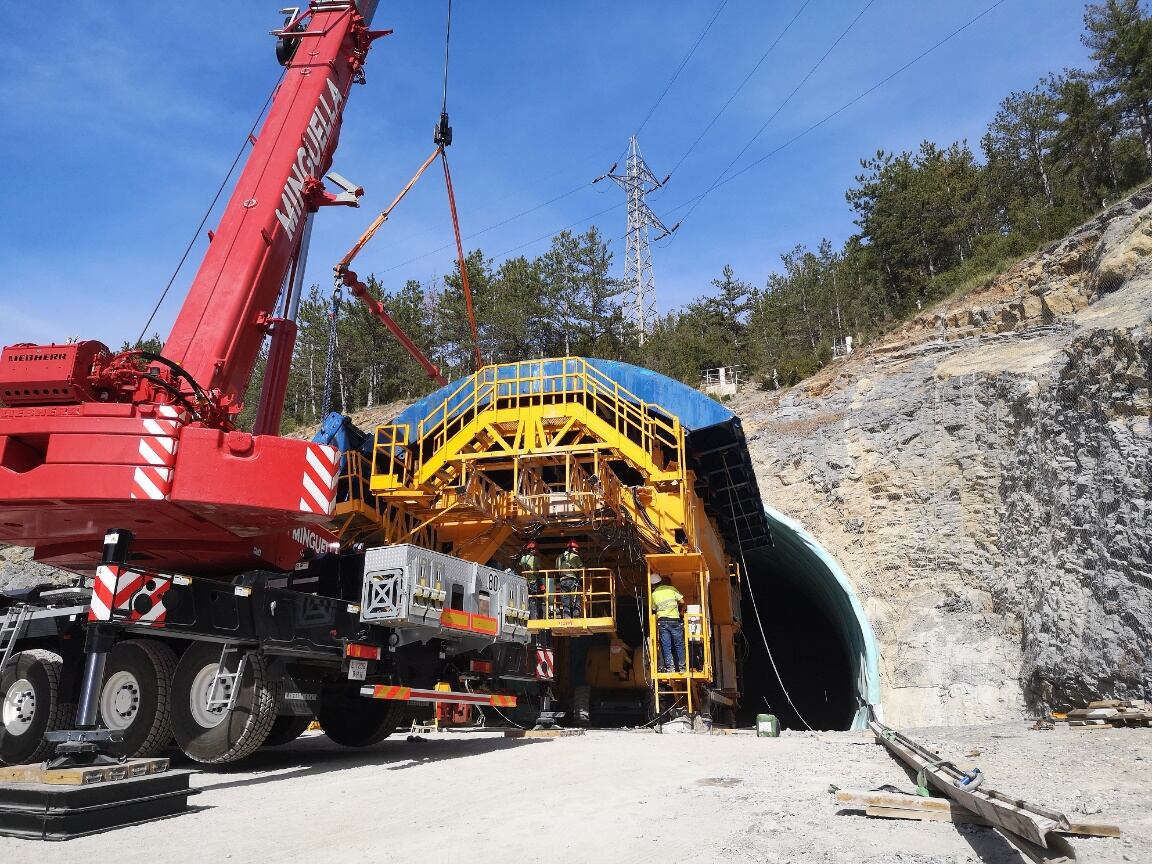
(983, 476)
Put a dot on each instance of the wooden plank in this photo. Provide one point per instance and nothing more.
(1092, 829)
(894, 800)
(541, 733)
(81, 776)
(917, 806)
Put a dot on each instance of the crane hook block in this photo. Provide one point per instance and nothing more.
(442, 137)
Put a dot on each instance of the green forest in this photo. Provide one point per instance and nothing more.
(931, 222)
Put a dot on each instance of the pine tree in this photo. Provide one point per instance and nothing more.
(1119, 32)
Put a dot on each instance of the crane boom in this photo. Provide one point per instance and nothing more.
(217, 335)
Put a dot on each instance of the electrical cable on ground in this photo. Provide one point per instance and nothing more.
(195, 234)
(679, 701)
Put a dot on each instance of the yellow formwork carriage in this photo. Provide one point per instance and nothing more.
(555, 450)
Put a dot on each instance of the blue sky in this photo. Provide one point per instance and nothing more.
(122, 119)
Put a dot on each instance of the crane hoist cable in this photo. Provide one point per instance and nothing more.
(442, 138)
(330, 357)
(462, 263)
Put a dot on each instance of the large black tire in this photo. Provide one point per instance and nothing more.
(353, 720)
(30, 705)
(221, 736)
(137, 696)
(286, 729)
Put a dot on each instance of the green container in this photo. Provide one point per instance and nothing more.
(767, 726)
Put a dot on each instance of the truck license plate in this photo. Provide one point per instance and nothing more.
(357, 670)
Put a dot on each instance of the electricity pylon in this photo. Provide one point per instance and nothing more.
(637, 181)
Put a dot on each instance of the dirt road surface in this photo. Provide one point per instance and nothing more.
(626, 797)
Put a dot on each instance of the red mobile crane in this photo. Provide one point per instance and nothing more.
(205, 526)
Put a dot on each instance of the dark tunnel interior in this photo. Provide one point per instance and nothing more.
(811, 656)
(808, 637)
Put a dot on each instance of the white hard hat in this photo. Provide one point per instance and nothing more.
(655, 579)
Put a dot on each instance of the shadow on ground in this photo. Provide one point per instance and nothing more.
(315, 755)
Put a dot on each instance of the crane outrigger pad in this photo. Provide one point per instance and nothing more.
(61, 811)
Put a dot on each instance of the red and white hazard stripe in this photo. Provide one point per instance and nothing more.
(545, 665)
(318, 485)
(116, 590)
(103, 592)
(172, 412)
(157, 448)
(152, 483)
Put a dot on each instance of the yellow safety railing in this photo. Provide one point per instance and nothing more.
(531, 383)
(352, 484)
(593, 598)
(390, 456)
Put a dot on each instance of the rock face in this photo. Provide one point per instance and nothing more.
(19, 571)
(984, 476)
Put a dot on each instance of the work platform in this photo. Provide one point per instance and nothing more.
(645, 475)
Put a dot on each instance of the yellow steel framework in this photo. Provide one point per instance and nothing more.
(516, 452)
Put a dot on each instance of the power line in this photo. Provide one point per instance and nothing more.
(494, 226)
(552, 234)
(781, 106)
(739, 87)
(840, 110)
(722, 182)
(680, 68)
(249, 139)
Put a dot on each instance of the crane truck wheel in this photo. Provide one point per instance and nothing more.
(286, 729)
(352, 720)
(137, 696)
(30, 706)
(216, 733)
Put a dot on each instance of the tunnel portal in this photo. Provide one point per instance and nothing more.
(809, 655)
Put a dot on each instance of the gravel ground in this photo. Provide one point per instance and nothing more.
(622, 797)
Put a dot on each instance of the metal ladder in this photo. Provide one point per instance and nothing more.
(229, 681)
(11, 629)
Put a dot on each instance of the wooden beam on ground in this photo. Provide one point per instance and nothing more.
(37, 773)
(896, 805)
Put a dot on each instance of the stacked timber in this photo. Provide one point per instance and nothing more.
(1107, 712)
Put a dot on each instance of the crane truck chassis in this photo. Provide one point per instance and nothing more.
(353, 638)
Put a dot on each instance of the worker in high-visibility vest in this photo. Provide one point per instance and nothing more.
(666, 602)
(530, 566)
(571, 567)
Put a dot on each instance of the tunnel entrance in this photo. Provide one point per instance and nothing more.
(822, 645)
